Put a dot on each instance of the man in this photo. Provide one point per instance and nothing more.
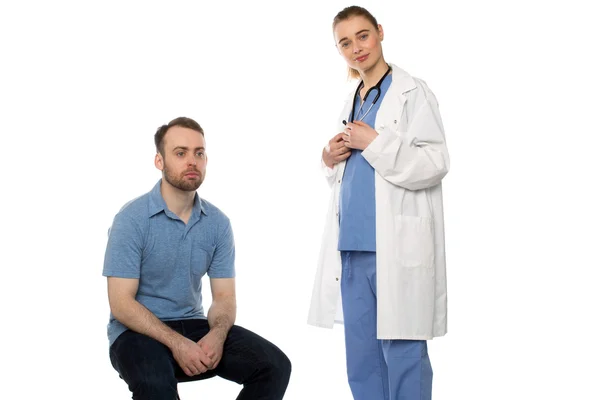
(159, 247)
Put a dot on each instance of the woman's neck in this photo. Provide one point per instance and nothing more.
(371, 76)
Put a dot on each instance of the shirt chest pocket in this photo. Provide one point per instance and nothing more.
(200, 259)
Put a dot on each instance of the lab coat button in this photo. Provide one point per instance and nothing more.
(337, 279)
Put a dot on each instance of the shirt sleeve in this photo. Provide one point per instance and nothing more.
(123, 257)
(223, 261)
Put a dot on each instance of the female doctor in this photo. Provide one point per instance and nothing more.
(383, 244)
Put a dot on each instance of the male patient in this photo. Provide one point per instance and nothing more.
(159, 247)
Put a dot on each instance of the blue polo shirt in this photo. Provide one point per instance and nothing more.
(148, 242)
(357, 193)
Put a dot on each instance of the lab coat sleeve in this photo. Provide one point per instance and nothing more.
(416, 159)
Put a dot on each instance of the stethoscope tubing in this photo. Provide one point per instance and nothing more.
(376, 87)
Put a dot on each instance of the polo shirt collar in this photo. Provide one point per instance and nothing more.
(157, 203)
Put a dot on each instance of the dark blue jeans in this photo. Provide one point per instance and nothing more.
(151, 372)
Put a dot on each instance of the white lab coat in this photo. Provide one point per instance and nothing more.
(410, 159)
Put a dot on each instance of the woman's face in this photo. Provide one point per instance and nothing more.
(359, 42)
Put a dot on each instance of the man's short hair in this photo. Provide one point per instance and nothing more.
(181, 121)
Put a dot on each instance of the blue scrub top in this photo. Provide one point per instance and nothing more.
(357, 194)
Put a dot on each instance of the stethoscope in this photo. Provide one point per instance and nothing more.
(360, 86)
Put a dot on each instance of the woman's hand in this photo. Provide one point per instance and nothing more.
(335, 151)
(358, 135)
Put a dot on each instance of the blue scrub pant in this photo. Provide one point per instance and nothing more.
(377, 369)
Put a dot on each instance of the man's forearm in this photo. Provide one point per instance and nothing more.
(221, 316)
(138, 318)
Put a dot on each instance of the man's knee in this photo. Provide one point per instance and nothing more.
(154, 387)
(279, 366)
(285, 365)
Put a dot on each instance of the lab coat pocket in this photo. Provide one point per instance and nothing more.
(414, 241)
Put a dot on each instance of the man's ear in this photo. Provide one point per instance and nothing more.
(159, 161)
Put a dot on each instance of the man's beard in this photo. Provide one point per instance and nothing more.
(183, 183)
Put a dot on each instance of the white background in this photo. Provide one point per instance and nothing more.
(84, 85)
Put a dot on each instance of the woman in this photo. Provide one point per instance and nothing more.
(383, 244)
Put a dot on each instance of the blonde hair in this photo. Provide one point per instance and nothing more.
(347, 13)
